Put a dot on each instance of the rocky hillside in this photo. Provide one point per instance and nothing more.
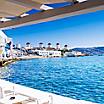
(91, 51)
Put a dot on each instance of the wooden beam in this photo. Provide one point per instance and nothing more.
(27, 3)
(16, 7)
(49, 15)
(52, 1)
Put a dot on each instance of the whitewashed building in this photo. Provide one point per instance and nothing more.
(18, 45)
(3, 41)
(73, 53)
(48, 53)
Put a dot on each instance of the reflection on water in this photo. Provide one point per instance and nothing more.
(5, 72)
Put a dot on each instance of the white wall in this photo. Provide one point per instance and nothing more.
(3, 38)
(3, 41)
(49, 53)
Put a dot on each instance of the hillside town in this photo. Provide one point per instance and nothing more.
(9, 50)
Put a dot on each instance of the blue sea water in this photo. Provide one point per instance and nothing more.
(76, 77)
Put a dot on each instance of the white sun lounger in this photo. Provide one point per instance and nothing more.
(6, 91)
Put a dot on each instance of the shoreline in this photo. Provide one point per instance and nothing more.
(29, 57)
(5, 62)
(8, 61)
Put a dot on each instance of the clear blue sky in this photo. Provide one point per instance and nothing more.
(80, 31)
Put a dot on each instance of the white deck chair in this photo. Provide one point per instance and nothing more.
(7, 91)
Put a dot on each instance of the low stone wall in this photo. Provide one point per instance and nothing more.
(7, 61)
